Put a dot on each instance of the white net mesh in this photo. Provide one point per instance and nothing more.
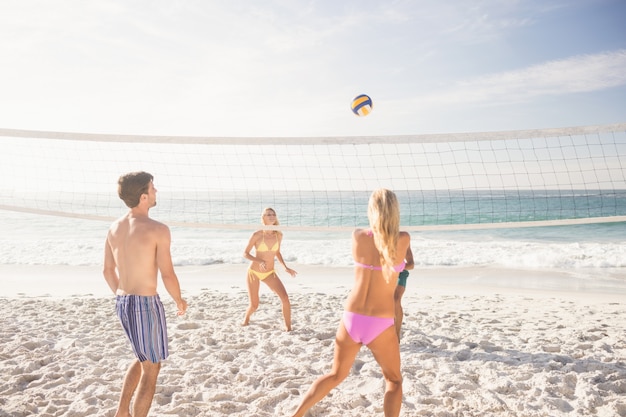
(454, 181)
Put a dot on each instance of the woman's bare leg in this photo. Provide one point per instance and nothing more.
(253, 295)
(386, 351)
(346, 350)
(277, 286)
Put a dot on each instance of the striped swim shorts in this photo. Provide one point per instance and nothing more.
(143, 320)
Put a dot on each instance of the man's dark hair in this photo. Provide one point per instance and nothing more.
(131, 186)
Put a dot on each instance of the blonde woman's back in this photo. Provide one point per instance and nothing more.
(374, 286)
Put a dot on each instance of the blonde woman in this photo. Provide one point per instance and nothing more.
(368, 318)
(266, 244)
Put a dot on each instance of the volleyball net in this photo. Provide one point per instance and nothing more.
(443, 181)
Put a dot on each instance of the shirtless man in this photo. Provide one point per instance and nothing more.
(137, 248)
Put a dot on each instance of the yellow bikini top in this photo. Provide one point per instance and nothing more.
(263, 247)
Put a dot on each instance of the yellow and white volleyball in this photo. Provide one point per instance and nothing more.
(362, 105)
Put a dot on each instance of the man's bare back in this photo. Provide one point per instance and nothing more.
(133, 242)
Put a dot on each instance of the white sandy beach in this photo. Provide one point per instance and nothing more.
(543, 344)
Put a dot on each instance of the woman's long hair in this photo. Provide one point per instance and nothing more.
(383, 212)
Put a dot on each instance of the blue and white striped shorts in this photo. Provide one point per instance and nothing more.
(143, 320)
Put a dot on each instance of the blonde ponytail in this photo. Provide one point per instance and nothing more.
(383, 212)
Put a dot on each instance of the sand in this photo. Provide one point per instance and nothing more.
(537, 344)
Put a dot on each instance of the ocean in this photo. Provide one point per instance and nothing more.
(587, 249)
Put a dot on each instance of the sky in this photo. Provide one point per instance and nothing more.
(284, 68)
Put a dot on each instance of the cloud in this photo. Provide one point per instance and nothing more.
(577, 74)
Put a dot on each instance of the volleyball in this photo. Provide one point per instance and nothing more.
(362, 105)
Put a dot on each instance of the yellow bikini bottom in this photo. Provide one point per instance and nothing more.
(260, 275)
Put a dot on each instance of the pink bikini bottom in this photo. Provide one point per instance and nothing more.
(364, 329)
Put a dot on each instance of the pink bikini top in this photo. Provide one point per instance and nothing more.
(397, 268)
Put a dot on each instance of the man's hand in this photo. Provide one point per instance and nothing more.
(182, 307)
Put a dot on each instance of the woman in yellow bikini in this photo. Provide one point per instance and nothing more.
(266, 244)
